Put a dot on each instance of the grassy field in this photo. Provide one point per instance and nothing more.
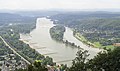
(95, 44)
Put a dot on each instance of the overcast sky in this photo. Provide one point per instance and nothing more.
(59, 4)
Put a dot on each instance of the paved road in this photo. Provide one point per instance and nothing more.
(14, 50)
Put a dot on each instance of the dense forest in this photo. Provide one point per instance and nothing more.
(107, 60)
(57, 32)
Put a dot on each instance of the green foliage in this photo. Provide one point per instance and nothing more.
(12, 38)
(4, 50)
(108, 60)
(79, 62)
(23, 28)
(95, 27)
(57, 32)
(36, 66)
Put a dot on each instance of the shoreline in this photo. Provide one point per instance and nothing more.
(88, 43)
(27, 38)
(27, 41)
(46, 54)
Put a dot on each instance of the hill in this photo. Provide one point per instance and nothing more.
(100, 28)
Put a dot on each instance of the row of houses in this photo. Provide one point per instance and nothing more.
(9, 63)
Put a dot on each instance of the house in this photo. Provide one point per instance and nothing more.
(116, 44)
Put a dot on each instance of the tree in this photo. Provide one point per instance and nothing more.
(39, 67)
(30, 67)
(79, 62)
(107, 61)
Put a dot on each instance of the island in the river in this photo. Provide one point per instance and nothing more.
(57, 32)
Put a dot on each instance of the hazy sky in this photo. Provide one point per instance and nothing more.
(59, 4)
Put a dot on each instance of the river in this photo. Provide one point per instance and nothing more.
(40, 40)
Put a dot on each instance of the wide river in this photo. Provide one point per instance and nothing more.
(40, 40)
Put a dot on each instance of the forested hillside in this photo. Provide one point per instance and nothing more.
(100, 28)
(10, 19)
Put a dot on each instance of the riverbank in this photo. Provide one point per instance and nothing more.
(45, 45)
(26, 39)
(81, 38)
(94, 45)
